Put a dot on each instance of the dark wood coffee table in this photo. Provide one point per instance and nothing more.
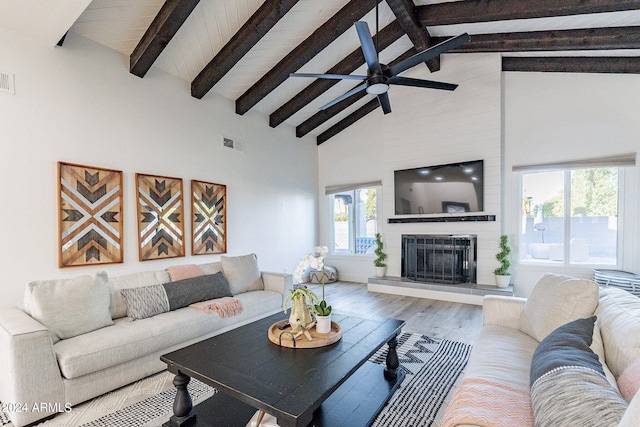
(326, 386)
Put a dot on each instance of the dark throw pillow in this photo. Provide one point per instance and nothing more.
(568, 384)
(181, 293)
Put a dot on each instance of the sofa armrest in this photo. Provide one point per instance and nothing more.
(277, 282)
(502, 311)
(28, 368)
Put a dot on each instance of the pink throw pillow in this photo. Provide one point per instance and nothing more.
(629, 381)
(180, 272)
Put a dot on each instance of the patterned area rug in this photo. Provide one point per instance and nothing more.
(433, 368)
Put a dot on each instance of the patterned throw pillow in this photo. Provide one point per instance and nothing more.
(568, 384)
(145, 301)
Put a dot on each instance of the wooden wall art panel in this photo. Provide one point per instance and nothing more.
(160, 210)
(89, 215)
(209, 218)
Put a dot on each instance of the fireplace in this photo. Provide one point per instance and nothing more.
(440, 258)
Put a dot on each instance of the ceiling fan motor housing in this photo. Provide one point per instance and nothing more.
(377, 82)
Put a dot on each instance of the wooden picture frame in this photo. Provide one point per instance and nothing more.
(90, 220)
(160, 213)
(208, 218)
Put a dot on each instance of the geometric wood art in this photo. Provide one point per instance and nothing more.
(89, 215)
(208, 218)
(160, 209)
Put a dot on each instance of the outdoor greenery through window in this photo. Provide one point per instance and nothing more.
(571, 215)
(354, 221)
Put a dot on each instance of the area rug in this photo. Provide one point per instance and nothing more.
(432, 366)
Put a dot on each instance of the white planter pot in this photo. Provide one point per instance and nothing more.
(502, 281)
(323, 324)
(381, 271)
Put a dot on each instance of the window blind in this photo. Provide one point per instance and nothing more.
(619, 160)
(335, 189)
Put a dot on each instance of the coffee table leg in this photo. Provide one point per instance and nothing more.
(391, 371)
(183, 414)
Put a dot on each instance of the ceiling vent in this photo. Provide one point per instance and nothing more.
(7, 83)
(232, 143)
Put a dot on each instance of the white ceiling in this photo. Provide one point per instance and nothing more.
(119, 24)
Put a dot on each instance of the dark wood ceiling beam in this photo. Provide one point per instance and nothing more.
(165, 25)
(405, 13)
(468, 11)
(348, 65)
(583, 39)
(348, 121)
(243, 40)
(304, 52)
(573, 64)
(323, 115)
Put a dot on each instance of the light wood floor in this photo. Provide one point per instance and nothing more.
(438, 319)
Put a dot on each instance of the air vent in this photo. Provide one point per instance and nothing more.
(232, 143)
(7, 83)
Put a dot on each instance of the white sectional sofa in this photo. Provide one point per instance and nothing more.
(536, 362)
(84, 344)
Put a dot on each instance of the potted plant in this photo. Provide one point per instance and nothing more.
(301, 299)
(322, 310)
(381, 267)
(503, 276)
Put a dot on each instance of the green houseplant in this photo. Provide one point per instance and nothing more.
(381, 267)
(502, 273)
(301, 299)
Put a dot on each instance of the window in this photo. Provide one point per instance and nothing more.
(570, 216)
(355, 221)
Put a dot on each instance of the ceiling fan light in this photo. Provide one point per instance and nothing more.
(377, 88)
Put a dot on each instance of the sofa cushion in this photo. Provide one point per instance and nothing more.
(152, 300)
(146, 301)
(556, 300)
(148, 278)
(186, 271)
(202, 288)
(211, 267)
(70, 307)
(125, 340)
(619, 321)
(629, 381)
(568, 382)
(242, 273)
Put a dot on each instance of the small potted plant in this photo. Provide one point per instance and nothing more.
(301, 299)
(322, 310)
(381, 267)
(503, 276)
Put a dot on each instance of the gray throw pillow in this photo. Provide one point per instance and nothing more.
(70, 307)
(242, 273)
(181, 293)
(145, 301)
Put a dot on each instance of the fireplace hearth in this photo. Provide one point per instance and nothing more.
(439, 258)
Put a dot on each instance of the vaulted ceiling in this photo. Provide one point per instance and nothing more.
(245, 50)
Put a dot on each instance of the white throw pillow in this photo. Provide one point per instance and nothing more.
(242, 273)
(556, 300)
(70, 307)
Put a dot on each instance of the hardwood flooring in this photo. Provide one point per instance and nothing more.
(438, 319)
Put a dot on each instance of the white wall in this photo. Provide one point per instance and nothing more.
(555, 116)
(79, 104)
(426, 127)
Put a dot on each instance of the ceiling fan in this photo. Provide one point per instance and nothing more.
(380, 76)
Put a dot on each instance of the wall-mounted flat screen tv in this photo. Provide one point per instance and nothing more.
(451, 188)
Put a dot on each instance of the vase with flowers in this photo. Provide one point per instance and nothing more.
(315, 260)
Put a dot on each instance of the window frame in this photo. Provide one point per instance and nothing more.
(331, 203)
(567, 189)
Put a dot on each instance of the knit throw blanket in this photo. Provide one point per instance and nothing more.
(225, 307)
(488, 404)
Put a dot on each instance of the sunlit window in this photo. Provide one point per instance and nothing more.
(571, 216)
(354, 221)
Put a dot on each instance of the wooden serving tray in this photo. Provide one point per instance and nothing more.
(284, 338)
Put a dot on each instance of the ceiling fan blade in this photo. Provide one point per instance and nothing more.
(383, 99)
(329, 76)
(427, 54)
(368, 48)
(345, 96)
(429, 84)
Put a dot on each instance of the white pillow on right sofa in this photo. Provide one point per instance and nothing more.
(556, 300)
